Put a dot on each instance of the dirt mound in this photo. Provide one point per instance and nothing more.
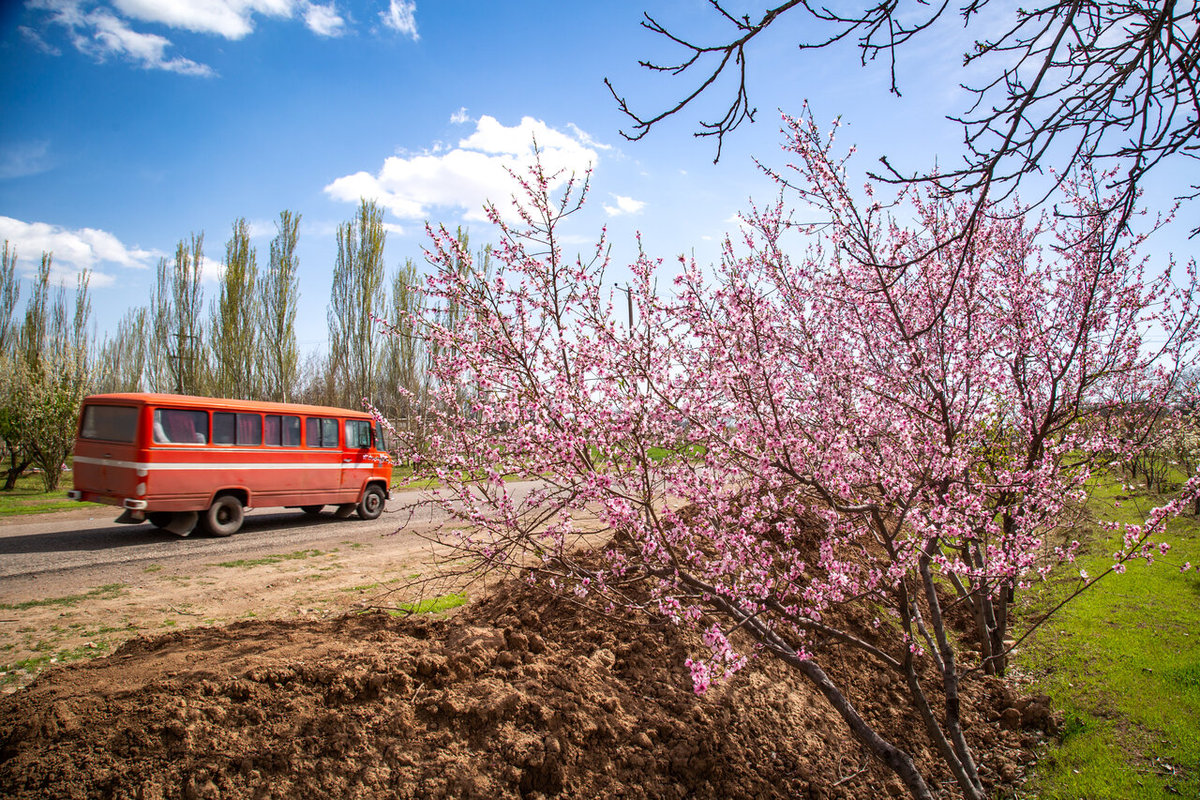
(519, 695)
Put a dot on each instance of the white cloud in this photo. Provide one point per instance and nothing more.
(460, 117)
(233, 19)
(36, 39)
(73, 250)
(24, 158)
(324, 20)
(102, 31)
(211, 269)
(586, 138)
(470, 174)
(625, 205)
(401, 17)
(101, 34)
(110, 35)
(261, 228)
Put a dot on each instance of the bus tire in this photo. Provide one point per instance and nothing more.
(312, 511)
(371, 504)
(224, 517)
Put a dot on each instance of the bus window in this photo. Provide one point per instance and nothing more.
(281, 431)
(358, 433)
(249, 429)
(291, 431)
(272, 430)
(223, 428)
(110, 423)
(180, 426)
(321, 432)
(242, 429)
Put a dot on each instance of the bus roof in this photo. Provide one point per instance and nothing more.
(221, 403)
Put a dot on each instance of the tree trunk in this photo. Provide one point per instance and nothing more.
(14, 472)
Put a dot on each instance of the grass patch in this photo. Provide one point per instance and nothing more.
(432, 605)
(14, 672)
(1122, 661)
(28, 497)
(245, 563)
(105, 592)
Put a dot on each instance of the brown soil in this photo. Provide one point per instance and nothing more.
(518, 695)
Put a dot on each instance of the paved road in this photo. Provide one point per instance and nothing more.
(86, 540)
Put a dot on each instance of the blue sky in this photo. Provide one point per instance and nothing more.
(130, 124)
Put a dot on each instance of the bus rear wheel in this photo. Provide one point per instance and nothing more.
(371, 505)
(224, 517)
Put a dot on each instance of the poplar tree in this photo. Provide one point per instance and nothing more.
(449, 315)
(36, 325)
(178, 341)
(403, 373)
(356, 300)
(279, 356)
(234, 325)
(123, 359)
(10, 292)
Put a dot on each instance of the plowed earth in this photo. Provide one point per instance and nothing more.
(518, 695)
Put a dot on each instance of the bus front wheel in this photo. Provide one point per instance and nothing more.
(371, 505)
(224, 517)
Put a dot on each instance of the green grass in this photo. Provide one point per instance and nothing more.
(13, 673)
(402, 480)
(1123, 662)
(105, 592)
(245, 563)
(28, 497)
(432, 605)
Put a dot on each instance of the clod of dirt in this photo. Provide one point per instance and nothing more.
(518, 696)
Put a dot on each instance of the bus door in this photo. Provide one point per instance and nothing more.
(106, 454)
(321, 434)
(356, 463)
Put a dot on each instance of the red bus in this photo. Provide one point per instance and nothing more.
(177, 461)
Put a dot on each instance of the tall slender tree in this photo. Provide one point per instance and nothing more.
(356, 302)
(36, 327)
(177, 304)
(279, 292)
(234, 327)
(402, 385)
(10, 293)
(121, 364)
(449, 313)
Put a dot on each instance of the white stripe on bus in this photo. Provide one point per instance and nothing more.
(104, 462)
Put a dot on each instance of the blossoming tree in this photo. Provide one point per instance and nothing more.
(824, 452)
